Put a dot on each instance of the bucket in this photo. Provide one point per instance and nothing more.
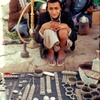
(84, 25)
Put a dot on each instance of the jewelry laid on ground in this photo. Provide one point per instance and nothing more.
(7, 92)
(35, 98)
(79, 84)
(12, 90)
(57, 86)
(46, 97)
(31, 92)
(42, 86)
(64, 80)
(23, 81)
(52, 98)
(20, 92)
(78, 94)
(48, 84)
(10, 84)
(26, 91)
(38, 72)
(51, 86)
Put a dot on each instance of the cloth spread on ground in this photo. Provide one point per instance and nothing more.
(36, 93)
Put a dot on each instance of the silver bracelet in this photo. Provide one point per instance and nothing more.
(72, 80)
(80, 84)
(42, 86)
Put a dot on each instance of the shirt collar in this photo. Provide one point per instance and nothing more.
(57, 20)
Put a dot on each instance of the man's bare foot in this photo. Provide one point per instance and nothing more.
(50, 58)
(61, 58)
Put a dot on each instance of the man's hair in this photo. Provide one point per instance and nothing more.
(53, 1)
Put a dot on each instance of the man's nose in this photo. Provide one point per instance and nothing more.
(53, 11)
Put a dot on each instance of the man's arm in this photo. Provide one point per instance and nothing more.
(73, 35)
(14, 9)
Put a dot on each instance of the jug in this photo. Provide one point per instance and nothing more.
(83, 25)
(96, 62)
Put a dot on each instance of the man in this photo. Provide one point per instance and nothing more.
(79, 8)
(56, 31)
(41, 6)
(15, 9)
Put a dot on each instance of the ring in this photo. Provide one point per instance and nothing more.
(69, 89)
(72, 80)
(68, 93)
(73, 96)
(85, 89)
(93, 86)
(38, 72)
(79, 84)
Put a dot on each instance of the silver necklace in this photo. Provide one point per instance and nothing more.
(14, 85)
(26, 91)
(31, 91)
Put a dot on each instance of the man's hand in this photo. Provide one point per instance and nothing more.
(45, 26)
(63, 26)
(54, 25)
(90, 9)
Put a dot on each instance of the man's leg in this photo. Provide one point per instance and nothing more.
(23, 29)
(50, 38)
(63, 36)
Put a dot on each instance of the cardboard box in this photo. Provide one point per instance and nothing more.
(96, 18)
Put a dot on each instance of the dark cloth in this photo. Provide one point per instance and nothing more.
(65, 18)
(36, 92)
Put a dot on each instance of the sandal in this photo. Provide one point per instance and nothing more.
(59, 62)
(52, 61)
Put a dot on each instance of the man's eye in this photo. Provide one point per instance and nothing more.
(56, 8)
(50, 8)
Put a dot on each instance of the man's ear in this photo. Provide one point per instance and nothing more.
(60, 9)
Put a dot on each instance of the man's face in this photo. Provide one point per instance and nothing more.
(54, 9)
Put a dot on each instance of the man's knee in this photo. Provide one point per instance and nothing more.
(63, 34)
(23, 29)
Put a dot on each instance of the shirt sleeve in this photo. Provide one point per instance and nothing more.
(69, 32)
(41, 34)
